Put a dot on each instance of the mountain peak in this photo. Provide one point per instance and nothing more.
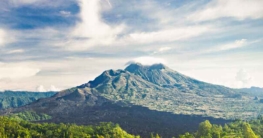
(158, 66)
(138, 66)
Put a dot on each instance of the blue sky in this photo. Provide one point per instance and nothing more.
(47, 45)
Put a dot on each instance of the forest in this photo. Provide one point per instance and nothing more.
(237, 129)
(12, 128)
(17, 128)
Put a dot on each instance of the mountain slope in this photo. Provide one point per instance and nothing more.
(161, 75)
(160, 88)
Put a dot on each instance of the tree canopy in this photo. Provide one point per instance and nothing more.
(12, 128)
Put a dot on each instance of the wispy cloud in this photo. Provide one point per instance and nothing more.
(65, 13)
(22, 2)
(6, 37)
(15, 51)
(109, 3)
(238, 9)
(148, 60)
(42, 88)
(233, 45)
(16, 71)
(170, 35)
(230, 46)
(162, 49)
(243, 78)
(2, 37)
(236, 44)
(91, 30)
(38, 3)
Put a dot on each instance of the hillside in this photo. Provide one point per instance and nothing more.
(253, 91)
(11, 99)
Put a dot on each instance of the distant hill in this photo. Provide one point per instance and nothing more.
(11, 99)
(253, 91)
(144, 99)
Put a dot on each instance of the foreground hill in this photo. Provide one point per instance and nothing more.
(144, 99)
(11, 99)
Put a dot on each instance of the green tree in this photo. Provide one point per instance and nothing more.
(186, 135)
(248, 132)
(204, 130)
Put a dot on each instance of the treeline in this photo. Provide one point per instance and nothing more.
(30, 116)
(11, 128)
(236, 129)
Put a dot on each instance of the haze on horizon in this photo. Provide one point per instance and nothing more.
(54, 45)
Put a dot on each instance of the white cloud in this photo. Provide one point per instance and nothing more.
(15, 51)
(65, 13)
(228, 46)
(16, 71)
(169, 35)
(53, 88)
(239, 9)
(92, 30)
(2, 37)
(7, 36)
(38, 3)
(108, 1)
(162, 49)
(148, 60)
(236, 44)
(22, 2)
(155, 11)
(40, 88)
(244, 78)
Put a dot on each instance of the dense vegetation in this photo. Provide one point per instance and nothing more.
(30, 116)
(237, 129)
(10, 99)
(11, 128)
